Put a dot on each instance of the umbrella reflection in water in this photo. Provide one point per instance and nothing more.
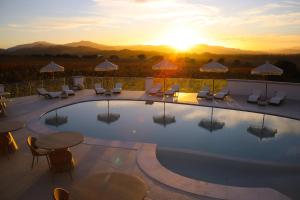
(108, 117)
(211, 124)
(262, 131)
(164, 119)
(56, 120)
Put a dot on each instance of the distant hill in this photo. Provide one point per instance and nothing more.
(294, 50)
(88, 47)
(40, 44)
(52, 50)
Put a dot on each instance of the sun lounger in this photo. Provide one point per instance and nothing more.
(99, 89)
(66, 90)
(255, 96)
(154, 90)
(78, 82)
(222, 94)
(2, 91)
(48, 95)
(174, 89)
(278, 98)
(118, 88)
(204, 92)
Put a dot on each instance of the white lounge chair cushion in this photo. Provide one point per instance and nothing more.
(54, 94)
(155, 89)
(255, 96)
(278, 98)
(222, 94)
(66, 90)
(100, 90)
(118, 88)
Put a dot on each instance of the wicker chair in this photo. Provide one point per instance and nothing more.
(35, 151)
(60, 194)
(61, 161)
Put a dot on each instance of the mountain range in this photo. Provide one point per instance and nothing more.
(88, 48)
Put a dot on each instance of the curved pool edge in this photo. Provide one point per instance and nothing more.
(149, 164)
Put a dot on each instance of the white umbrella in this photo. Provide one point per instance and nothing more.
(165, 65)
(211, 124)
(214, 67)
(267, 69)
(108, 117)
(51, 68)
(164, 119)
(106, 66)
(262, 131)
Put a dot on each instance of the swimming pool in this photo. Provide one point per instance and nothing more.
(221, 132)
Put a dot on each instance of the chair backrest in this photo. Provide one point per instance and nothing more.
(42, 91)
(31, 144)
(61, 160)
(119, 85)
(280, 94)
(175, 88)
(60, 194)
(225, 90)
(65, 87)
(1, 88)
(78, 80)
(206, 88)
(158, 86)
(98, 85)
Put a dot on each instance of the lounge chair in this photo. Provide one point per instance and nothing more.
(66, 90)
(222, 94)
(48, 95)
(35, 151)
(204, 92)
(99, 89)
(255, 96)
(2, 91)
(154, 90)
(60, 194)
(173, 90)
(118, 88)
(278, 98)
(78, 82)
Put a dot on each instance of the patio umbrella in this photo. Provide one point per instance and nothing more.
(164, 119)
(211, 124)
(214, 67)
(165, 65)
(108, 117)
(267, 69)
(51, 68)
(106, 66)
(56, 120)
(262, 131)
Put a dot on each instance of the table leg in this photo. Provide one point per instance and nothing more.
(8, 142)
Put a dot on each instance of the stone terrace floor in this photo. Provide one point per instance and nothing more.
(18, 181)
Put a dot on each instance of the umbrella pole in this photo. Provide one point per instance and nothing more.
(211, 118)
(213, 86)
(266, 90)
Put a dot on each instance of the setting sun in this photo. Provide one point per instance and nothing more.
(181, 38)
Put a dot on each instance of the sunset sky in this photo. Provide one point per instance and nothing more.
(248, 24)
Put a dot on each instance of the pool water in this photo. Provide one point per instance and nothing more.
(215, 131)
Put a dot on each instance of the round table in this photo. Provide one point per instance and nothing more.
(59, 140)
(8, 142)
(112, 186)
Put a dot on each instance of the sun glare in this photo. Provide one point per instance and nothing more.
(182, 39)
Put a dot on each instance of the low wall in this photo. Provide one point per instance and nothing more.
(245, 87)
